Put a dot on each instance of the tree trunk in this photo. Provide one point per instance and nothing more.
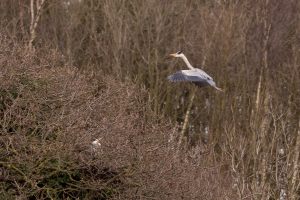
(264, 126)
(187, 115)
(34, 20)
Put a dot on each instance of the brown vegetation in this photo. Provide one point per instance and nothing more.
(71, 71)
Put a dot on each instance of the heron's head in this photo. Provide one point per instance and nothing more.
(178, 54)
(97, 139)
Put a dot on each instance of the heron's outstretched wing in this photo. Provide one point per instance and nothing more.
(179, 76)
(195, 76)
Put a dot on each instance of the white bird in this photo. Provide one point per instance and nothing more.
(194, 75)
(96, 145)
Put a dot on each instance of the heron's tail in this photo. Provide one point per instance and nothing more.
(219, 89)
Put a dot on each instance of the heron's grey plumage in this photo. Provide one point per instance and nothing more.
(194, 75)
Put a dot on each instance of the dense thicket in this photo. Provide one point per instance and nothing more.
(120, 49)
(49, 116)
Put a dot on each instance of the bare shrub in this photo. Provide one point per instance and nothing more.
(49, 116)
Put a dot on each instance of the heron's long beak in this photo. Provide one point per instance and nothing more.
(172, 54)
(100, 138)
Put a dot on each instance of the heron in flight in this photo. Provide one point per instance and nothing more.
(194, 75)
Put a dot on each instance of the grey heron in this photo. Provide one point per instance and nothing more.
(96, 145)
(194, 75)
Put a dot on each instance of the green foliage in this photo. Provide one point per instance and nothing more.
(5, 195)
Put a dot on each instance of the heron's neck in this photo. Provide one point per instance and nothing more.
(187, 62)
